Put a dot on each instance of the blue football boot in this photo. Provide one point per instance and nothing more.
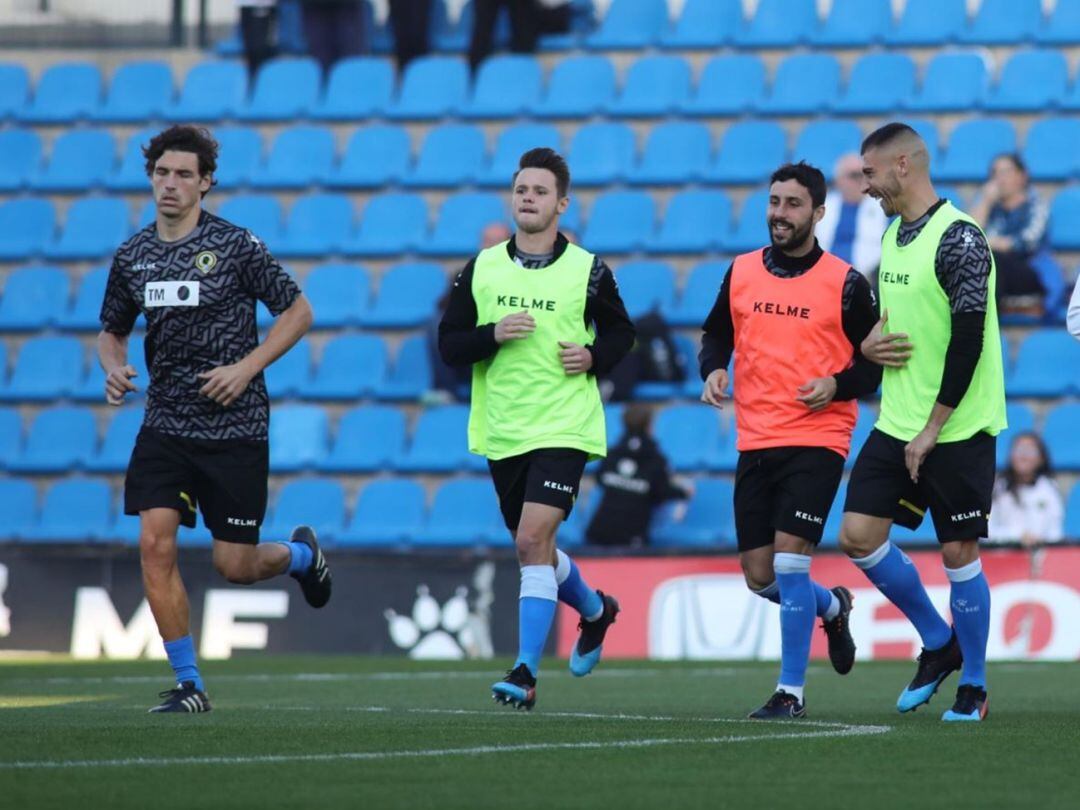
(934, 667)
(971, 705)
(517, 689)
(590, 644)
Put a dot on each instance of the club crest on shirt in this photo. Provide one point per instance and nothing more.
(205, 261)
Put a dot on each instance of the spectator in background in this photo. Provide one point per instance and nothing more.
(635, 480)
(258, 31)
(525, 22)
(1027, 505)
(853, 222)
(1014, 218)
(1073, 318)
(654, 358)
(411, 21)
(493, 234)
(333, 28)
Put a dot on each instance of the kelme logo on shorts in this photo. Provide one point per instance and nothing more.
(205, 261)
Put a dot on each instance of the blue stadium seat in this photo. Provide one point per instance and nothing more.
(805, 84)
(14, 89)
(369, 438)
(411, 376)
(602, 153)
(512, 143)
(465, 512)
(699, 294)
(928, 131)
(319, 224)
(952, 81)
(439, 442)
(506, 87)
(240, 156)
(80, 160)
(285, 89)
(822, 142)
(676, 152)
(1003, 22)
(689, 435)
(351, 367)
(116, 446)
(879, 84)
(750, 231)
(375, 156)
(34, 298)
(339, 294)
(645, 286)
(1020, 418)
(140, 91)
(406, 297)
(854, 24)
(299, 437)
(26, 226)
(749, 152)
(620, 222)
(65, 93)
(1065, 219)
(778, 24)
(212, 90)
(95, 227)
(461, 219)
(59, 440)
(579, 86)
(1031, 81)
(1062, 437)
(709, 519)
(433, 87)
(315, 502)
(18, 502)
(452, 155)
(972, 147)
(629, 25)
(1047, 365)
(388, 511)
(1072, 508)
(11, 434)
(928, 23)
(703, 24)
(1061, 27)
(390, 225)
(359, 88)
(1051, 149)
(259, 213)
(655, 86)
(729, 85)
(300, 156)
(131, 175)
(75, 510)
(288, 376)
(693, 223)
(20, 158)
(91, 386)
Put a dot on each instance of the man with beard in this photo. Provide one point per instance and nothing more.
(794, 317)
(538, 318)
(942, 405)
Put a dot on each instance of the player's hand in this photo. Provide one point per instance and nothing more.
(225, 384)
(916, 451)
(817, 393)
(515, 326)
(575, 359)
(891, 350)
(118, 383)
(715, 391)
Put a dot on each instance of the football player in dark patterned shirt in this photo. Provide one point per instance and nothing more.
(203, 442)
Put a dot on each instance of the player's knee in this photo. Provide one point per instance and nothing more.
(157, 551)
(531, 544)
(755, 577)
(237, 571)
(855, 544)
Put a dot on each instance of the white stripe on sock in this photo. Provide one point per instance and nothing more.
(786, 563)
(769, 591)
(539, 581)
(562, 566)
(797, 691)
(965, 572)
(873, 558)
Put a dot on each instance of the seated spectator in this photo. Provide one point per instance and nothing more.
(1073, 318)
(334, 29)
(411, 21)
(635, 479)
(493, 234)
(1027, 505)
(258, 24)
(654, 358)
(1015, 219)
(853, 223)
(525, 26)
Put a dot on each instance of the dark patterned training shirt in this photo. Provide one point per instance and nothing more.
(198, 295)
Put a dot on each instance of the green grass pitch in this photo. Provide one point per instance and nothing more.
(305, 732)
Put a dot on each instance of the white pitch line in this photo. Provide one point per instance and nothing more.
(359, 756)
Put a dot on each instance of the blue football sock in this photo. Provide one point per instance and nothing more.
(893, 573)
(797, 611)
(300, 557)
(181, 654)
(536, 612)
(969, 599)
(826, 603)
(573, 590)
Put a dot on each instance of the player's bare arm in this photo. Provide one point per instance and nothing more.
(112, 354)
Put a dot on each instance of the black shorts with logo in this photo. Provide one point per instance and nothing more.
(956, 483)
(784, 489)
(551, 476)
(226, 479)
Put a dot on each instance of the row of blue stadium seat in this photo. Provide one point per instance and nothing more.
(434, 87)
(389, 512)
